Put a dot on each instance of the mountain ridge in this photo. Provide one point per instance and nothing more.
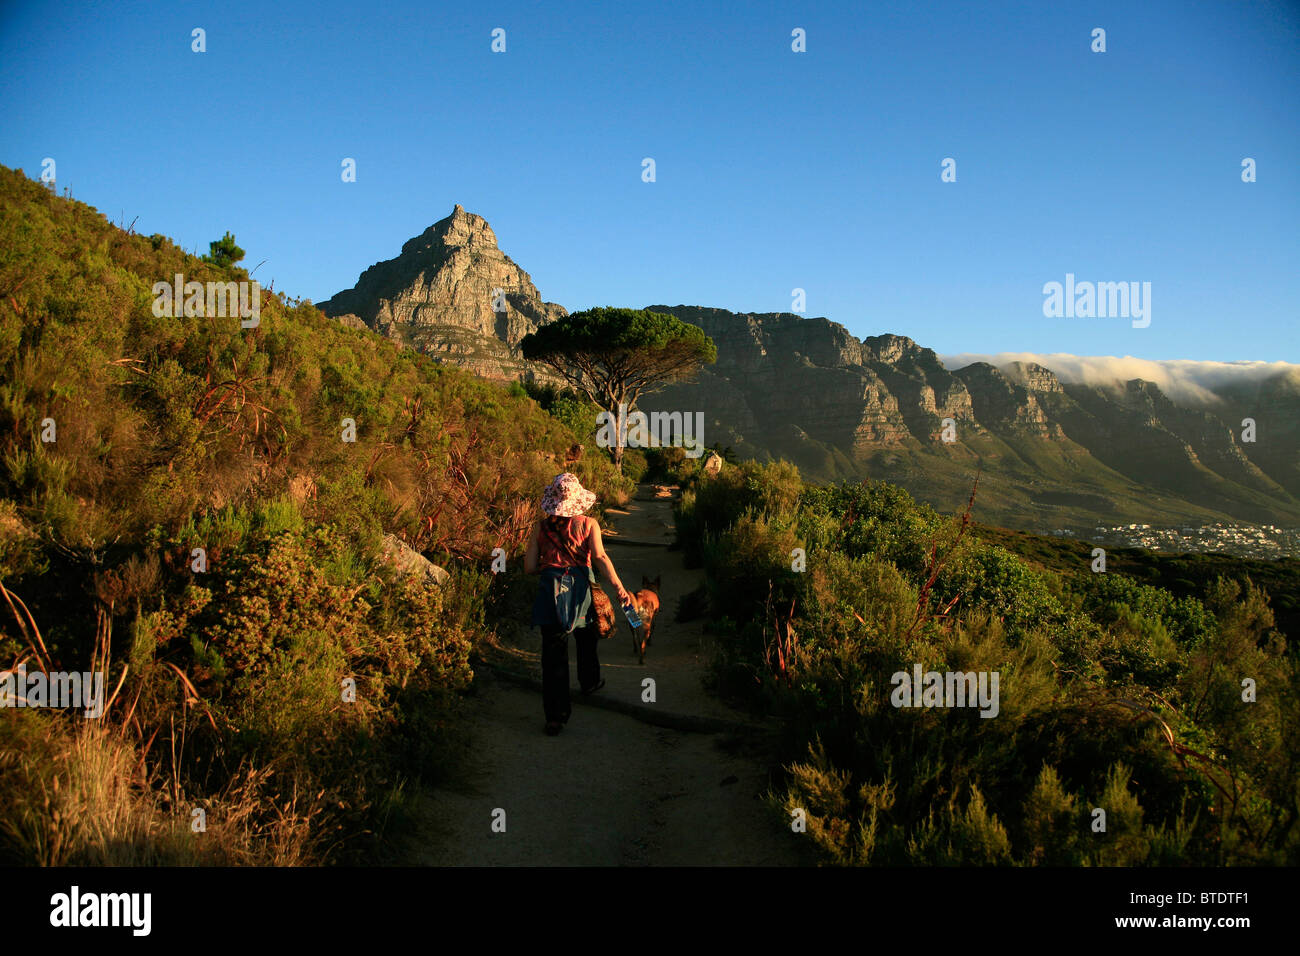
(1041, 443)
(841, 407)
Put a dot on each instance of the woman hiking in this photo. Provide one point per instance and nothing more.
(562, 549)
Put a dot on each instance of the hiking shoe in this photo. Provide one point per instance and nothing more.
(553, 727)
(592, 690)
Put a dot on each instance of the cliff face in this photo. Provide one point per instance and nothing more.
(439, 296)
(1003, 405)
(840, 407)
(1033, 377)
(803, 378)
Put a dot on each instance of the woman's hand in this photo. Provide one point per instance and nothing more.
(623, 597)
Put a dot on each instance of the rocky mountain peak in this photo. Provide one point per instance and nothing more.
(451, 292)
(460, 229)
(1140, 389)
(899, 350)
(1033, 376)
(892, 348)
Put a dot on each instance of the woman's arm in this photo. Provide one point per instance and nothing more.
(601, 560)
(530, 553)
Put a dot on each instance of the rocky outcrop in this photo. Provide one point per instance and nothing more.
(926, 392)
(411, 563)
(1033, 377)
(453, 294)
(1274, 406)
(1001, 404)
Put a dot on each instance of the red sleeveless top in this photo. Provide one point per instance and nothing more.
(562, 542)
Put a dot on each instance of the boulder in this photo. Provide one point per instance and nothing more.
(410, 562)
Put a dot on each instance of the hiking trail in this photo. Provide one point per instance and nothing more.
(614, 788)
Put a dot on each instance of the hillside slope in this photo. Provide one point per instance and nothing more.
(202, 507)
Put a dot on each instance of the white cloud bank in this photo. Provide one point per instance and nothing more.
(1183, 380)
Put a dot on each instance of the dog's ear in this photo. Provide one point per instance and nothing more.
(645, 581)
(654, 585)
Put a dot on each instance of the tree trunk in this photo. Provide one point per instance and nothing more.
(621, 421)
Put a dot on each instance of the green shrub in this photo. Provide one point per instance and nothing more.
(1103, 681)
(183, 433)
(634, 465)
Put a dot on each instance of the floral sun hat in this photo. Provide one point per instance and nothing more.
(566, 498)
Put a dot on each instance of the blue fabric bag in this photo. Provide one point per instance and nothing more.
(563, 598)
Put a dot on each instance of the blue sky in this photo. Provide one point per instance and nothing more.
(775, 169)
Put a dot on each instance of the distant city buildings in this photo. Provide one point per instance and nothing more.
(1244, 541)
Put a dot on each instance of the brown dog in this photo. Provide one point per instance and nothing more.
(605, 621)
(646, 602)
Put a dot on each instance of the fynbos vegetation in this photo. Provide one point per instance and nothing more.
(199, 510)
(1132, 726)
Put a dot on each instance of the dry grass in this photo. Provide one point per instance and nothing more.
(78, 792)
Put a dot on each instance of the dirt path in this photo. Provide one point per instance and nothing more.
(612, 789)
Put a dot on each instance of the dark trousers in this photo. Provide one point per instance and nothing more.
(555, 667)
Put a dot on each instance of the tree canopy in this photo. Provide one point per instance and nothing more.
(223, 252)
(614, 356)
